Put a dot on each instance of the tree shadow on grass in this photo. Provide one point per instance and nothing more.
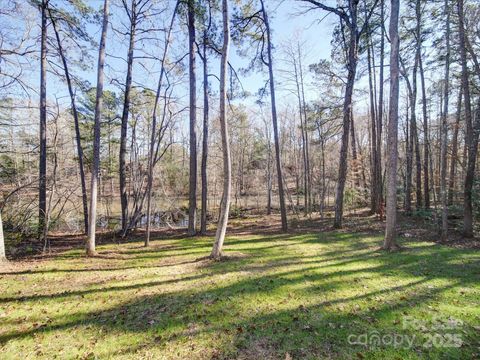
(288, 303)
(313, 330)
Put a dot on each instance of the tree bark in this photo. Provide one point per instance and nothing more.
(392, 142)
(444, 133)
(90, 245)
(3, 257)
(42, 179)
(426, 146)
(303, 136)
(227, 164)
(418, 161)
(347, 112)
(454, 157)
(373, 145)
(470, 142)
(203, 217)
(308, 190)
(124, 124)
(192, 191)
(281, 193)
(380, 111)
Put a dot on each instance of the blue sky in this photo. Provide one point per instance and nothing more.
(287, 23)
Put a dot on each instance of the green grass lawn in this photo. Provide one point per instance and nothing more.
(276, 296)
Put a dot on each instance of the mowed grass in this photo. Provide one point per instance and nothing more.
(293, 296)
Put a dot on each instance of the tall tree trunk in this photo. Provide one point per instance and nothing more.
(203, 217)
(418, 167)
(426, 155)
(392, 142)
(469, 131)
(308, 189)
(347, 112)
(418, 161)
(375, 188)
(124, 125)
(42, 179)
(76, 124)
(281, 194)
(90, 245)
(409, 157)
(324, 188)
(227, 164)
(303, 134)
(454, 158)
(412, 142)
(380, 110)
(444, 133)
(192, 189)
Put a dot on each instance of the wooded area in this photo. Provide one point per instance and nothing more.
(211, 126)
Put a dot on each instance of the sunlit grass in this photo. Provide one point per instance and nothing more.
(275, 296)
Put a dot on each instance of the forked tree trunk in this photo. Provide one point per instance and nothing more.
(192, 188)
(392, 142)
(227, 164)
(444, 133)
(347, 112)
(42, 179)
(90, 245)
(124, 125)
(281, 193)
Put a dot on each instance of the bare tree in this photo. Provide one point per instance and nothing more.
(227, 164)
(470, 135)
(444, 132)
(269, 63)
(192, 190)
(392, 136)
(42, 185)
(348, 17)
(154, 137)
(132, 15)
(90, 245)
(204, 175)
(75, 119)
